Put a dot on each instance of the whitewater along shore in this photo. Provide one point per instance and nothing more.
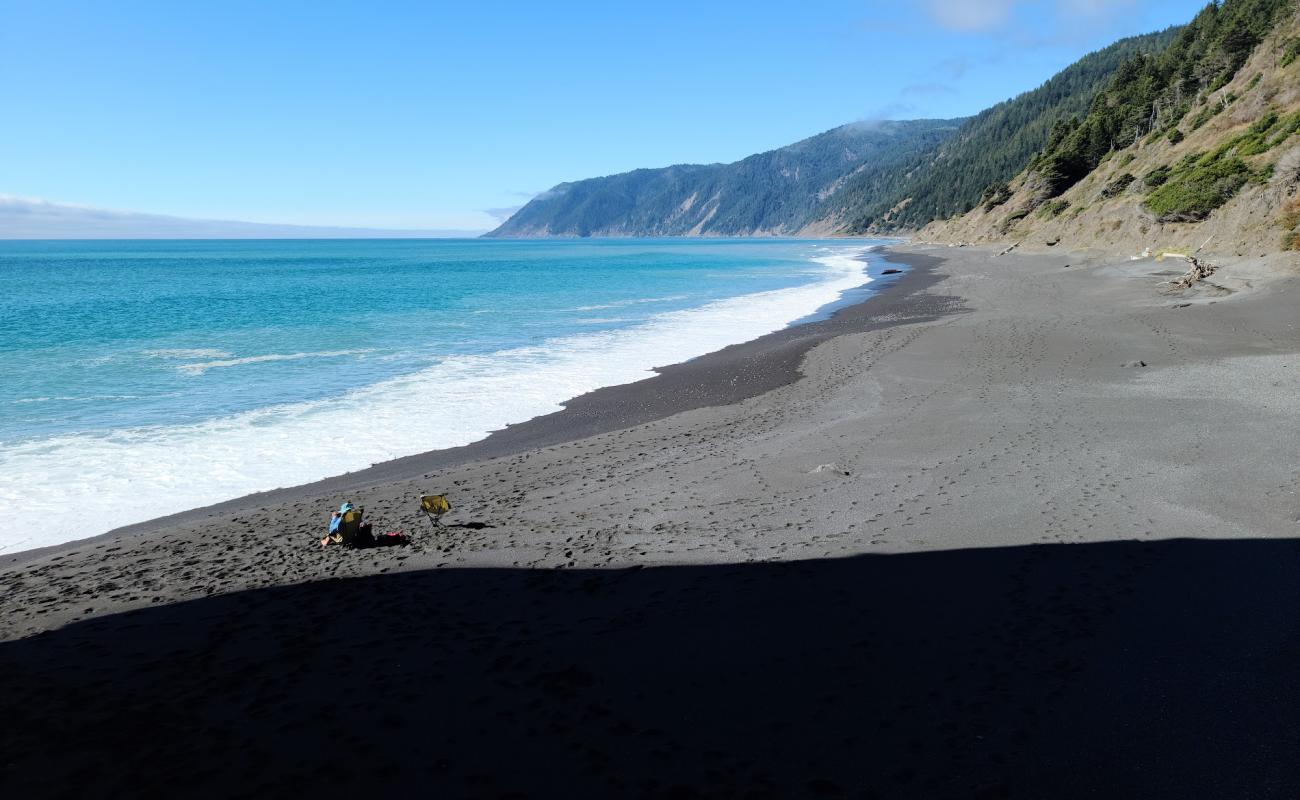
(1018, 526)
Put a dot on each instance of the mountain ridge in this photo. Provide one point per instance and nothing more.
(1172, 139)
(858, 178)
(778, 192)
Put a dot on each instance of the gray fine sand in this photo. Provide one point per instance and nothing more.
(1010, 529)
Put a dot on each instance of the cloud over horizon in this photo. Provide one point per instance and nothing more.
(502, 214)
(37, 218)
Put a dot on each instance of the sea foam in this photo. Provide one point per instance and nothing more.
(200, 367)
(85, 484)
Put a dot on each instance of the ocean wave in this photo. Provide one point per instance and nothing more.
(125, 476)
(185, 353)
(634, 302)
(75, 398)
(200, 367)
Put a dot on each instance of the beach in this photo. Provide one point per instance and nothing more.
(173, 397)
(1017, 526)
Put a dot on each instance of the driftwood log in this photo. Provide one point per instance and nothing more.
(1200, 270)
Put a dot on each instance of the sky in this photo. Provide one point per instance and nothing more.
(446, 115)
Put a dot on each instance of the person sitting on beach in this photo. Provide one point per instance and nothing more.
(333, 535)
(347, 528)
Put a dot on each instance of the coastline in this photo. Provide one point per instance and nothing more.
(722, 377)
(1037, 514)
(188, 419)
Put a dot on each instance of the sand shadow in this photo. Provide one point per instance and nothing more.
(469, 526)
(1110, 670)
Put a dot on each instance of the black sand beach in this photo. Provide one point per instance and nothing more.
(953, 542)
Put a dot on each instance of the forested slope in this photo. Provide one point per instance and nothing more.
(1197, 145)
(778, 192)
(989, 150)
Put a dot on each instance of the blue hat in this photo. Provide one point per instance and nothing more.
(345, 508)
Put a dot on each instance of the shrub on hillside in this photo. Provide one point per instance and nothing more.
(1054, 209)
(1290, 52)
(1191, 194)
(1208, 113)
(1117, 186)
(1157, 176)
(1268, 132)
(995, 195)
(1012, 219)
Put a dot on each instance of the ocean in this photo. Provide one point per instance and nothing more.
(144, 378)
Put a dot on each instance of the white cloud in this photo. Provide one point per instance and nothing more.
(1092, 8)
(982, 16)
(502, 214)
(970, 16)
(35, 218)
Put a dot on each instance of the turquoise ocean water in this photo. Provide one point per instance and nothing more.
(145, 378)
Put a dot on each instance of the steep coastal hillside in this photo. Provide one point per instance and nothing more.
(1165, 140)
(991, 148)
(778, 192)
(852, 179)
(1196, 148)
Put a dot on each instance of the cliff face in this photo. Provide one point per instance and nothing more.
(781, 192)
(1207, 157)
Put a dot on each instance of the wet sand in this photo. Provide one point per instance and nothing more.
(939, 545)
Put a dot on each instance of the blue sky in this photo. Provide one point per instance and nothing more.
(428, 114)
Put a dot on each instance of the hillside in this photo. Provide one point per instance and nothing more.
(1195, 148)
(773, 193)
(990, 148)
(852, 179)
(1165, 140)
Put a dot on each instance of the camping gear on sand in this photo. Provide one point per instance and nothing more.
(392, 539)
(434, 506)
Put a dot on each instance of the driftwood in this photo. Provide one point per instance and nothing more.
(1199, 271)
